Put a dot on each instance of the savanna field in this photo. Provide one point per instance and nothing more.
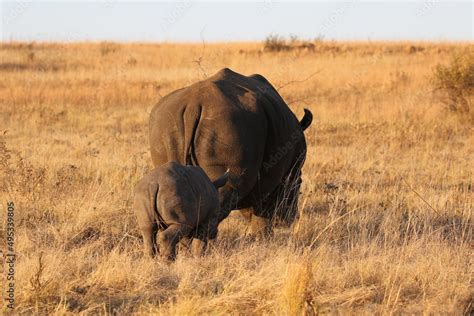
(386, 210)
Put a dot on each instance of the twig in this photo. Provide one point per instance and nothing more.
(419, 195)
(200, 59)
(299, 81)
(35, 281)
(298, 100)
(330, 224)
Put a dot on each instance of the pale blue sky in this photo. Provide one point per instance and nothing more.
(234, 21)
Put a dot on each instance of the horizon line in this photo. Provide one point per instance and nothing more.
(212, 42)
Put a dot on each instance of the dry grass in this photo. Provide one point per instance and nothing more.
(386, 207)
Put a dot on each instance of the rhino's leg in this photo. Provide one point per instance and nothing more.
(260, 227)
(247, 213)
(198, 246)
(207, 230)
(149, 232)
(185, 243)
(170, 237)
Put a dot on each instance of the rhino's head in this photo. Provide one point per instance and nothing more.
(286, 204)
(286, 207)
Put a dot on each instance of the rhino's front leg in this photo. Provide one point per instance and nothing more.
(185, 243)
(169, 238)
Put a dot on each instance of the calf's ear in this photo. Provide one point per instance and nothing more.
(222, 180)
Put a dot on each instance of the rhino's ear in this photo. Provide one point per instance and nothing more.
(307, 119)
(222, 180)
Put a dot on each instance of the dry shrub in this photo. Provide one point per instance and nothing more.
(275, 43)
(107, 48)
(455, 82)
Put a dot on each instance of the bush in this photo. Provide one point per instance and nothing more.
(275, 43)
(455, 84)
(107, 48)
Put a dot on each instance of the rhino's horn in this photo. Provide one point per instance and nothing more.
(307, 119)
(222, 180)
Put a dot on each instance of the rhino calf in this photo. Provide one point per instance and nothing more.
(180, 202)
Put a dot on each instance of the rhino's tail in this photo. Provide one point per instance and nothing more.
(191, 118)
(222, 180)
(307, 119)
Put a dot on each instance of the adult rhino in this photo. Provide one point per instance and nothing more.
(241, 123)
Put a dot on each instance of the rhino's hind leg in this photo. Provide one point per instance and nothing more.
(260, 227)
(170, 237)
(149, 232)
(198, 246)
(247, 213)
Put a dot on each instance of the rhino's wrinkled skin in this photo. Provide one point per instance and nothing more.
(180, 201)
(237, 122)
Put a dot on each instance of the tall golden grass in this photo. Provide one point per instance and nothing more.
(385, 223)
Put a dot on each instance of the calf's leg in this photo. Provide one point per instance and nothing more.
(149, 231)
(170, 237)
